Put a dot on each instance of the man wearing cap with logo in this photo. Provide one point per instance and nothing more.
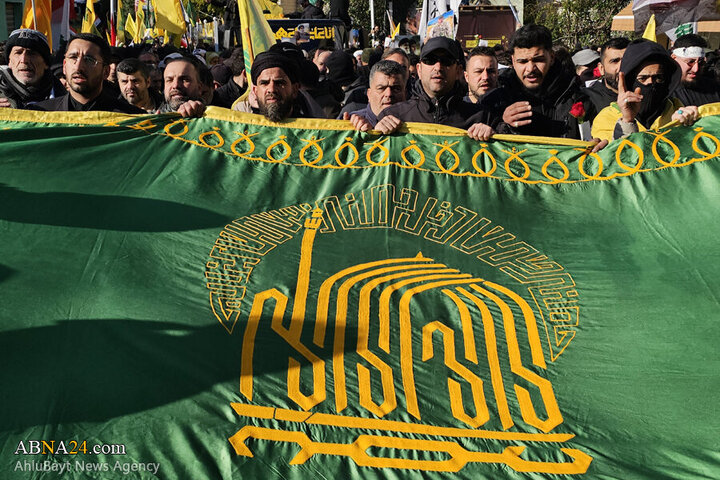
(438, 96)
(27, 78)
(536, 96)
(695, 88)
(647, 76)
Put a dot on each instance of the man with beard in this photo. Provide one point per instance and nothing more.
(695, 88)
(183, 88)
(481, 73)
(133, 78)
(604, 91)
(85, 67)
(650, 74)
(438, 95)
(536, 96)
(27, 77)
(276, 85)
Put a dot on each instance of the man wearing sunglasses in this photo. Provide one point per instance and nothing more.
(85, 66)
(647, 76)
(536, 95)
(695, 88)
(438, 96)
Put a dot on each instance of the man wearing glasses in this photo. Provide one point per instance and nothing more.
(647, 76)
(438, 97)
(536, 96)
(695, 88)
(85, 66)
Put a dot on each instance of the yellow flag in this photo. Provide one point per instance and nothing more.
(396, 31)
(130, 28)
(649, 33)
(43, 14)
(169, 16)
(256, 34)
(274, 10)
(90, 19)
(120, 32)
(140, 22)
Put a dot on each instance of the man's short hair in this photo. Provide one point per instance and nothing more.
(530, 36)
(105, 52)
(389, 68)
(481, 52)
(191, 60)
(236, 62)
(690, 40)
(132, 65)
(617, 43)
(393, 51)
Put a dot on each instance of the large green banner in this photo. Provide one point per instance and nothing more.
(226, 298)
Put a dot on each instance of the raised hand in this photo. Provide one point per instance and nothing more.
(628, 101)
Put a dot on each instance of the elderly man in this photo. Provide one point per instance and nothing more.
(183, 87)
(85, 67)
(647, 76)
(27, 77)
(536, 96)
(695, 88)
(603, 92)
(481, 73)
(387, 87)
(439, 96)
(133, 78)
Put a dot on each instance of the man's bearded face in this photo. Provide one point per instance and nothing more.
(275, 94)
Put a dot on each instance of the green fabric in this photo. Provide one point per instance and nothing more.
(226, 311)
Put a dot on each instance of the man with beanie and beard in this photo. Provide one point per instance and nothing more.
(27, 77)
(647, 76)
(276, 86)
(536, 96)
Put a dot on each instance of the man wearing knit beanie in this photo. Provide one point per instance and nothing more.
(27, 78)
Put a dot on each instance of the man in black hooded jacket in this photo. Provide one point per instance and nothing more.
(536, 97)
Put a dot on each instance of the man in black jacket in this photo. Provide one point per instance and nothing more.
(605, 90)
(695, 88)
(86, 65)
(536, 96)
(438, 96)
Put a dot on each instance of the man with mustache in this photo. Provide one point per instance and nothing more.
(134, 82)
(536, 96)
(183, 87)
(438, 96)
(604, 91)
(276, 86)
(387, 87)
(85, 66)
(695, 88)
(27, 78)
(481, 73)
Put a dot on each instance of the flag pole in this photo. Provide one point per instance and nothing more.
(34, 16)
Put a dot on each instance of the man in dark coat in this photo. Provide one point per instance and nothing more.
(695, 88)
(604, 91)
(86, 65)
(27, 77)
(438, 96)
(536, 97)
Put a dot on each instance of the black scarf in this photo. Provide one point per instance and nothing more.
(653, 102)
(19, 94)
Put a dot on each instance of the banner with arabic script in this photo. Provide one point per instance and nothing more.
(230, 298)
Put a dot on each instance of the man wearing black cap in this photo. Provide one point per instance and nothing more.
(647, 76)
(438, 97)
(695, 88)
(276, 86)
(536, 96)
(85, 67)
(27, 77)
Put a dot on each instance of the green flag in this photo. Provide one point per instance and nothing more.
(228, 297)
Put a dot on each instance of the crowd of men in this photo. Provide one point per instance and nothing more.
(534, 87)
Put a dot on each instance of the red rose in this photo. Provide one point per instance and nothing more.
(578, 111)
